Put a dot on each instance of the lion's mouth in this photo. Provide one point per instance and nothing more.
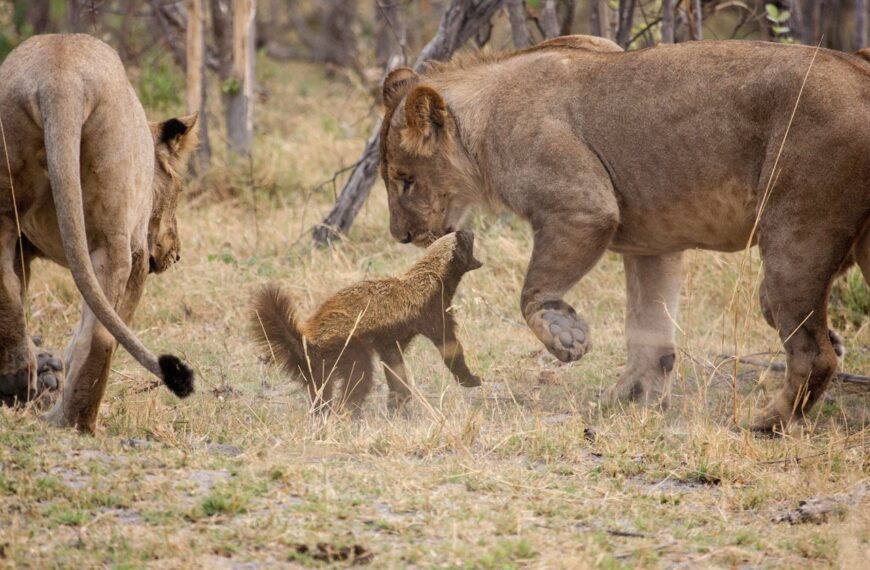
(159, 266)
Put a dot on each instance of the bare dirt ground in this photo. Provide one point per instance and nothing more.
(526, 471)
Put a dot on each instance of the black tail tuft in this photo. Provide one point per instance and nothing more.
(177, 376)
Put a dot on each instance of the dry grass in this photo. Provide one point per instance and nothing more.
(526, 472)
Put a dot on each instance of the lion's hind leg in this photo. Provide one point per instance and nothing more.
(89, 354)
(653, 290)
(18, 363)
(794, 293)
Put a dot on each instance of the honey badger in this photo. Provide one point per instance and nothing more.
(336, 344)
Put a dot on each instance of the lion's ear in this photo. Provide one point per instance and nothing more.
(426, 116)
(397, 84)
(177, 135)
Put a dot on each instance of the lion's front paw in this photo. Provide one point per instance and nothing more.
(564, 334)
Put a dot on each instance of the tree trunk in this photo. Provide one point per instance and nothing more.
(626, 20)
(240, 108)
(195, 88)
(75, 15)
(460, 22)
(566, 21)
(860, 24)
(391, 43)
(600, 15)
(549, 20)
(667, 21)
(695, 20)
(519, 31)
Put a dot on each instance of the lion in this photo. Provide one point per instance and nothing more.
(338, 342)
(88, 184)
(648, 153)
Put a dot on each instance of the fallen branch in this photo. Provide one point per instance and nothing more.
(460, 22)
(780, 367)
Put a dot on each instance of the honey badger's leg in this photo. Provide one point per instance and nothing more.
(653, 290)
(89, 354)
(445, 340)
(17, 360)
(356, 372)
(395, 373)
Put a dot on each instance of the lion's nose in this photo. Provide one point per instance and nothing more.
(407, 239)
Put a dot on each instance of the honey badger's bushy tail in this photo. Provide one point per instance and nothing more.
(276, 329)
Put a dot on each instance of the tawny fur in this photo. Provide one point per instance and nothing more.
(648, 153)
(375, 316)
(96, 188)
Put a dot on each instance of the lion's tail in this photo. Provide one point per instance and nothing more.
(276, 330)
(62, 113)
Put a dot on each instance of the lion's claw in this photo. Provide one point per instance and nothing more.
(564, 334)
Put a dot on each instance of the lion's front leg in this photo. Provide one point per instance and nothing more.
(89, 354)
(566, 247)
(653, 290)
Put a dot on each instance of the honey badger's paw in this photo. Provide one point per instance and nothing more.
(564, 334)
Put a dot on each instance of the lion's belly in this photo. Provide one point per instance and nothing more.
(717, 222)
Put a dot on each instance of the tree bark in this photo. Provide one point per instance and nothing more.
(695, 24)
(519, 31)
(549, 20)
(566, 26)
(75, 15)
(460, 22)
(195, 87)
(626, 20)
(600, 15)
(391, 42)
(240, 108)
(667, 21)
(860, 24)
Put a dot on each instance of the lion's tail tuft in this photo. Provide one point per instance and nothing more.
(275, 328)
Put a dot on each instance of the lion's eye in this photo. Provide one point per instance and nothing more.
(406, 185)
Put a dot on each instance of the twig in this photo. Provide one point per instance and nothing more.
(780, 367)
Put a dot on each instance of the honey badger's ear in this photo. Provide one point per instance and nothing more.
(426, 117)
(397, 84)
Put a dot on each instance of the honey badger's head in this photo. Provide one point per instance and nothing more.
(457, 249)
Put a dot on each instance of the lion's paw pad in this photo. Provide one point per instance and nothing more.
(564, 334)
(49, 372)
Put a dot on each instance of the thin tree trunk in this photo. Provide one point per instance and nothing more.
(600, 16)
(549, 20)
(75, 15)
(860, 24)
(695, 22)
(460, 22)
(391, 43)
(519, 31)
(196, 92)
(566, 26)
(626, 20)
(667, 21)
(796, 21)
(240, 110)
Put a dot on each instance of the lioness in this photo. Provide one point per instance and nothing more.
(380, 316)
(95, 190)
(648, 153)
